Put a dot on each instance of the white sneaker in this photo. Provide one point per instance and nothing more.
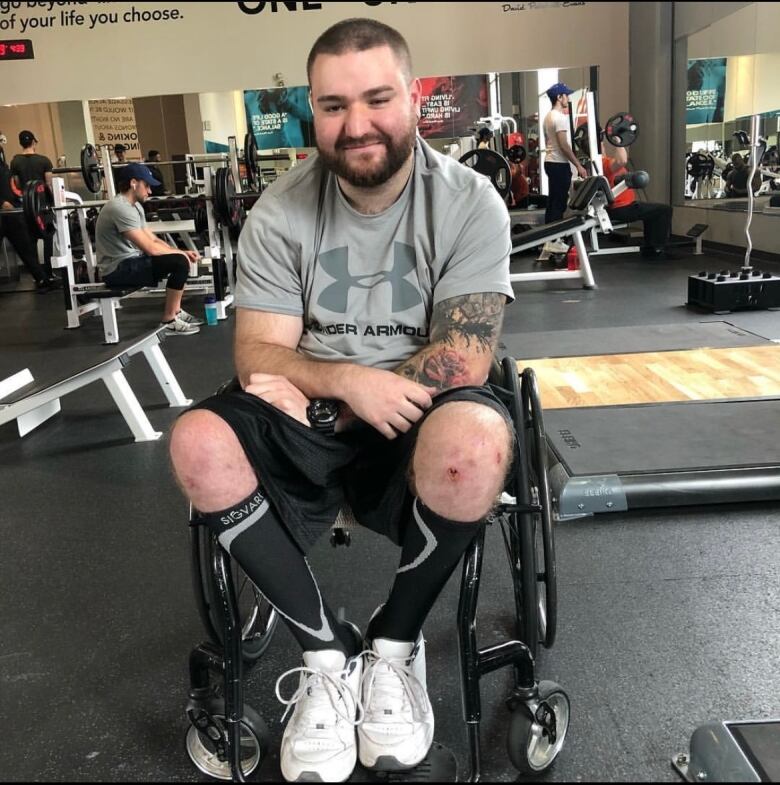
(189, 318)
(557, 246)
(397, 729)
(319, 743)
(179, 327)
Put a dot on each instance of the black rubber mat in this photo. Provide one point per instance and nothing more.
(665, 437)
(625, 340)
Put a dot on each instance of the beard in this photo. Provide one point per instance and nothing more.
(362, 175)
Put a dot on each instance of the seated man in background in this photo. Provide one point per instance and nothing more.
(153, 157)
(737, 178)
(656, 217)
(129, 254)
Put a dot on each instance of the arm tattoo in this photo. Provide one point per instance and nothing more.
(461, 328)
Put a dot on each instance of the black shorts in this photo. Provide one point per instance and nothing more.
(308, 475)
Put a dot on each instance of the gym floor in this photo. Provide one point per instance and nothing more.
(668, 619)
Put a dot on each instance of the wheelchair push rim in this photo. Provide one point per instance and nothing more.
(533, 409)
(533, 531)
(520, 525)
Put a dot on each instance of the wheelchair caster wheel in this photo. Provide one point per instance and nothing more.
(205, 742)
(538, 728)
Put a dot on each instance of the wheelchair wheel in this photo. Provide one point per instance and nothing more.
(258, 617)
(203, 751)
(536, 443)
(538, 729)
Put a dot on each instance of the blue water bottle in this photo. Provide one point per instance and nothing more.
(210, 305)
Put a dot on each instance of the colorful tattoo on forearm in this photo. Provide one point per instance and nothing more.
(459, 327)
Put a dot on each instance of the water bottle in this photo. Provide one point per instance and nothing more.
(210, 305)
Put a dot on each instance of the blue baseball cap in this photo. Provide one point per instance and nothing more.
(559, 88)
(136, 172)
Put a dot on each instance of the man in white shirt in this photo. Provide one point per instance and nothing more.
(559, 156)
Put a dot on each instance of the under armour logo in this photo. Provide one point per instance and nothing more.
(336, 264)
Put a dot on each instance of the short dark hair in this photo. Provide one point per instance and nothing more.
(120, 148)
(357, 35)
(152, 153)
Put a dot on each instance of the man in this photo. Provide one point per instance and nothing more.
(371, 290)
(27, 166)
(737, 178)
(656, 217)
(119, 154)
(15, 229)
(130, 255)
(558, 161)
(152, 158)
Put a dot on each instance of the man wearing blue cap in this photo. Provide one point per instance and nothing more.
(130, 255)
(559, 156)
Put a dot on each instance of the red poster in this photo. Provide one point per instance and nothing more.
(452, 104)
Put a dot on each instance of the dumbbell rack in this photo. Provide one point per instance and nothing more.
(730, 290)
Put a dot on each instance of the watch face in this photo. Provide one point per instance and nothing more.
(323, 412)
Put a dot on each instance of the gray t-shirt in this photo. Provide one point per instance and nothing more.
(366, 285)
(111, 246)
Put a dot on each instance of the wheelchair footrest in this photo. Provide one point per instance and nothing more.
(439, 766)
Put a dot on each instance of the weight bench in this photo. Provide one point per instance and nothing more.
(83, 298)
(589, 201)
(597, 250)
(31, 407)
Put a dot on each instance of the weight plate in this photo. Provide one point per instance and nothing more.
(227, 207)
(250, 162)
(201, 220)
(37, 204)
(621, 130)
(492, 165)
(516, 154)
(581, 141)
(90, 168)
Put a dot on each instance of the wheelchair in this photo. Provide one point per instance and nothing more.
(228, 740)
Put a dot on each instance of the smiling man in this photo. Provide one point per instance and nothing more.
(371, 287)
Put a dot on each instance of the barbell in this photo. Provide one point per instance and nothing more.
(91, 170)
(39, 209)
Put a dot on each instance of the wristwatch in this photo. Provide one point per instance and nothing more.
(322, 414)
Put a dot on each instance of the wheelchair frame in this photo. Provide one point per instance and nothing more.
(540, 710)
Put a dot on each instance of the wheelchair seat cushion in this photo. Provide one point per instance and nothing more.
(309, 475)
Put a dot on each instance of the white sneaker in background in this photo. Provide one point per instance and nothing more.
(179, 327)
(189, 318)
(397, 728)
(558, 246)
(319, 742)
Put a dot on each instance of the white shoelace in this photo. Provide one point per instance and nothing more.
(396, 685)
(322, 701)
